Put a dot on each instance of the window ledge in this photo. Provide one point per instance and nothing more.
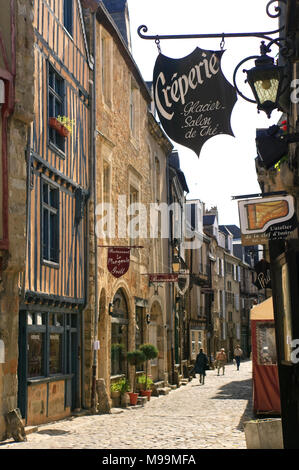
(57, 150)
(50, 264)
(52, 378)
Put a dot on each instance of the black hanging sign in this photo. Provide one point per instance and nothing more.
(193, 98)
(263, 277)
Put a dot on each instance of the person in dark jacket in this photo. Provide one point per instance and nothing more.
(201, 365)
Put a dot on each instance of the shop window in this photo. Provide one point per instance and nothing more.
(139, 327)
(47, 335)
(266, 346)
(35, 350)
(55, 354)
(119, 334)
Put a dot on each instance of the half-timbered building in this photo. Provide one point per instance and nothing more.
(54, 285)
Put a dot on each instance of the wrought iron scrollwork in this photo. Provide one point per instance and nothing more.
(266, 35)
(285, 44)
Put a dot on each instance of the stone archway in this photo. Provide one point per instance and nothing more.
(156, 336)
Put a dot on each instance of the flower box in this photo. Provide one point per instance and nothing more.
(58, 127)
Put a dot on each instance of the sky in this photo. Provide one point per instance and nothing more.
(226, 165)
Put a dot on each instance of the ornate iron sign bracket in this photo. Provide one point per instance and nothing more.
(267, 35)
(285, 44)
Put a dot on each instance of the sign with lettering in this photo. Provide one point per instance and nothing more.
(163, 277)
(267, 218)
(193, 99)
(118, 260)
(263, 277)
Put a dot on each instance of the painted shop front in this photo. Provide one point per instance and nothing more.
(49, 377)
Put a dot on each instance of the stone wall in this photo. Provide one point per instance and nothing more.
(12, 275)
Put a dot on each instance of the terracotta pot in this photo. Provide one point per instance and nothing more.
(133, 398)
(63, 131)
(146, 393)
(55, 124)
(115, 394)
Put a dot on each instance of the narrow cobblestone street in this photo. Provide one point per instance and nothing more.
(194, 416)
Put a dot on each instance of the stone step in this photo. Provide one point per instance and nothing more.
(164, 390)
(141, 401)
(30, 429)
(173, 386)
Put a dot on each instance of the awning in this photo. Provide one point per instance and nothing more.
(263, 311)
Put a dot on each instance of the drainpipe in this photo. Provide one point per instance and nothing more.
(171, 284)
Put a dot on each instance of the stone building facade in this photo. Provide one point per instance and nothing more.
(129, 175)
(16, 62)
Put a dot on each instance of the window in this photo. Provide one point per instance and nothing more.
(119, 334)
(134, 226)
(266, 344)
(68, 15)
(106, 72)
(56, 105)
(139, 327)
(35, 348)
(133, 117)
(50, 222)
(106, 182)
(55, 355)
(47, 335)
(157, 178)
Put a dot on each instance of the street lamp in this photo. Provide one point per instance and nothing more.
(265, 80)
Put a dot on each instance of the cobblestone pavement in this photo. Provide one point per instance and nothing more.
(194, 416)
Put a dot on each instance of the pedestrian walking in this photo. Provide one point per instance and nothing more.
(221, 359)
(238, 353)
(201, 365)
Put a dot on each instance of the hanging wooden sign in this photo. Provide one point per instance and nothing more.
(118, 260)
(193, 98)
(267, 218)
(183, 282)
(163, 277)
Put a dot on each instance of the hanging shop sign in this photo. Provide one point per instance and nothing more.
(263, 277)
(193, 98)
(182, 283)
(118, 260)
(264, 219)
(163, 277)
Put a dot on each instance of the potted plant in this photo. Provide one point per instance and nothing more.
(142, 380)
(62, 124)
(135, 358)
(124, 388)
(67, 125)
(150, 352)
(119, 388)
(55, 124)
(117, 350)
(115, 389)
